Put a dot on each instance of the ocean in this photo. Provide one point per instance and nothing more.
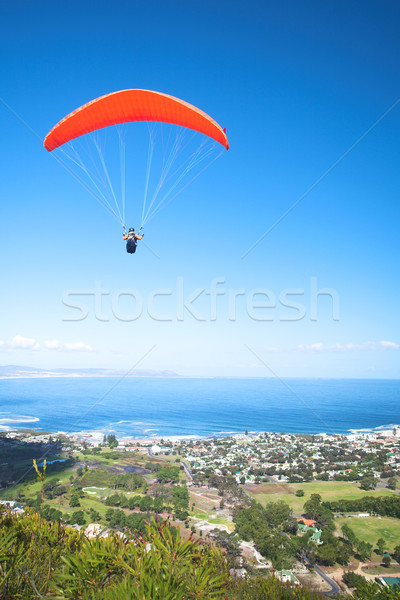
(180, 407)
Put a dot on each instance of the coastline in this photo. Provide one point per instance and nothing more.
(95, 437)
(85, 376)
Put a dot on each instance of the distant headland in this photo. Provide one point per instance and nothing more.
(20, 372)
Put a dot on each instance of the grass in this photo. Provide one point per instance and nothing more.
(370, 529)
(199, 515)
(381, 571)
(212, 520)
(172, 458)
(328, 490)
(87, 503)
(97, 478)
(94, 491)
(219, 521)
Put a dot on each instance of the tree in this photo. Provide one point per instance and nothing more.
(314, 509)
(180, 497)
(311, 507)
(109, 514)
(391, 483)
(277, 513)
(49, 489)
(353, 580)
(59, 490)
(94, 514)
(299, 493)
(78, 518)
(290, 526)
(380, 544)
(158, 505)
(118, 518)
(113, 500)
(124, 501)
(134, 501)
(278, 548)
(181, 515)
(349, 534)
(74, 501)
(326, 555)
(364, 549)
(396, 554)
(51, 514)
(343, 553)
(168, 473)
(386, 560)
(112, 440)
(146, 503)
(368, 483)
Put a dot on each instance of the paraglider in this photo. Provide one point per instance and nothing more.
(131, 240)
(180, 158)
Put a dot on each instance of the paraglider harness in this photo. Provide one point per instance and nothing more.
(131, 243)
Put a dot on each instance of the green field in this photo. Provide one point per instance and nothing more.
(221, 521)
(203, 516)
(95, 491)
(381, 571)
(87, 503)
(328, 490)
(370, 529)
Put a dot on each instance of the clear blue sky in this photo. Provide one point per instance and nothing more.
(296, 85)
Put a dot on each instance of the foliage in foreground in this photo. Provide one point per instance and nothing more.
(47, 560)
(259, 588)
(40, 559)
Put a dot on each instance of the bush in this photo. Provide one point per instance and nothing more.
(353, 580)
(61, 563)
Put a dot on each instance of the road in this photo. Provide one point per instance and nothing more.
(271, 479)
(335, 588)
(262, 563)
(187, 470)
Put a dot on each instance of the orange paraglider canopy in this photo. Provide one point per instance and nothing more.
(132, 105)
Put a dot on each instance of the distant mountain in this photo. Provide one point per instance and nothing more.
(16, 372)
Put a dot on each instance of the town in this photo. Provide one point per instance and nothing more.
(316, 510)
(290, 458)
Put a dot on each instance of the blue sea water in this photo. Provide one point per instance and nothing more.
(155, 407)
